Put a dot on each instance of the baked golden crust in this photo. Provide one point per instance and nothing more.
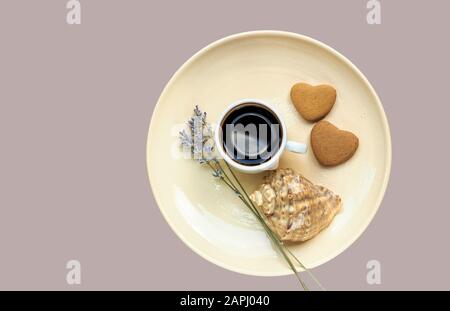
(313, 102)
(332, 146)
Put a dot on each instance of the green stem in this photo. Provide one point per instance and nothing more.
(277, 243)
(229, 183)
(240, 185)
(269, 232)
(306, 270)
(223, 172)
(260, 217)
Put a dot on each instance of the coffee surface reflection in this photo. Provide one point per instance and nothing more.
(251, 134)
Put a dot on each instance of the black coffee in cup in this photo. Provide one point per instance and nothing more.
(251, 134)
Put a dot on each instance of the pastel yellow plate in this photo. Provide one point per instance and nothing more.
(264, 65)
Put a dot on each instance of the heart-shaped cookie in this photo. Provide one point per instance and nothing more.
(313, 102)
(332, 146)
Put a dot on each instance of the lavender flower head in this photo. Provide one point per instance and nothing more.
(198, 139)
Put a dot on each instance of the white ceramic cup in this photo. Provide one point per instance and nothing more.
(272, 163)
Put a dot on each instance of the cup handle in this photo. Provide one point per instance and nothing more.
(296, 147)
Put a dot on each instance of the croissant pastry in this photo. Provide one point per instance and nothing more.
(295, 208)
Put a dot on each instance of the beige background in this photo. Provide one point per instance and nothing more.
(75, 105)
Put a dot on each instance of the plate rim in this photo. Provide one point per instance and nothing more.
(337, 54)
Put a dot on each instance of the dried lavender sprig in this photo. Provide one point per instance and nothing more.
(198, 152)
(256, 213)
(269, 231)
(262, 219)
(203, 128)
